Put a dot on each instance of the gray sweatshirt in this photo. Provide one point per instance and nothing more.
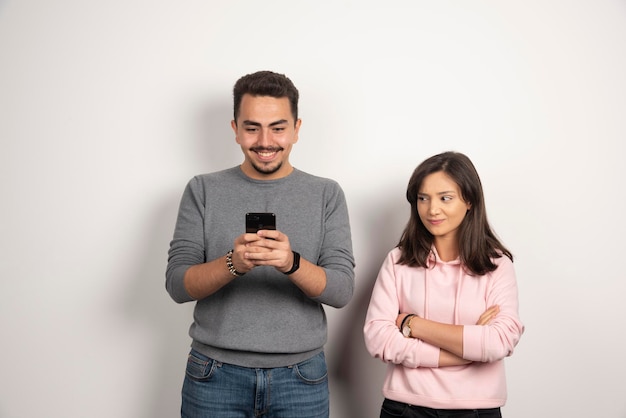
(262, 319)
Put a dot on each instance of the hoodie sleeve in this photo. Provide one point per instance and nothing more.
(383, 339)
(496, 340)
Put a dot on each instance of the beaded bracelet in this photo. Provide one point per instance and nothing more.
(231, 266)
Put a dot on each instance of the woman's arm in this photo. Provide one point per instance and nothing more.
(482, 342)
(447, 359)
(445, 336)
(383, 338)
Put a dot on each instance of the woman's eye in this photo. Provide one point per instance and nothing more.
(446, 198)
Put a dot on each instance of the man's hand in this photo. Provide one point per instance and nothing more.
(265, 248)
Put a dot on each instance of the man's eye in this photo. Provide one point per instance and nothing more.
(279, 129)
(251, 130)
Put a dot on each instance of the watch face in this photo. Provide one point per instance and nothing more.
(406, 331)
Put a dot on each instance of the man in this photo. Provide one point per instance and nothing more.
(259, 325)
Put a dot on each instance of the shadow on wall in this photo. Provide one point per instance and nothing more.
(358, 375)
(212, 148)
(148, 303)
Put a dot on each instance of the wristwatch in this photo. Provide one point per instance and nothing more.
(296, 263)
(406, 325)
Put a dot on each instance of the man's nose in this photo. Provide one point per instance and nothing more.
(264, 137)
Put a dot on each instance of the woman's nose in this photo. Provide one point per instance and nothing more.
(434, 208)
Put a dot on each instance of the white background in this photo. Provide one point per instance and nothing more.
(108, 108)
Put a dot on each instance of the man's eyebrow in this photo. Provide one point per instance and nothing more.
(279, 122)
(252, 123)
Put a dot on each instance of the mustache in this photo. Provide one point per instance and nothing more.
(266, 149)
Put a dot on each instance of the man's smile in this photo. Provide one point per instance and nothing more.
(266, 153)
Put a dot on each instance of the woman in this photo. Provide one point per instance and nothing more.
(444, 309)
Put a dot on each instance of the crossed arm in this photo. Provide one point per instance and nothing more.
(449, 338)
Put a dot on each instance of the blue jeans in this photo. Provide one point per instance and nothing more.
(393, 409)
(220, 390)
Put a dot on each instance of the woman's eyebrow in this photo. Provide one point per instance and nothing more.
(438, 193)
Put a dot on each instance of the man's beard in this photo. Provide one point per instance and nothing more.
(265, 169)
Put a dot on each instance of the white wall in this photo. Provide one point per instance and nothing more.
(108, 108)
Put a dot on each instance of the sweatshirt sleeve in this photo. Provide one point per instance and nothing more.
(383, 339)
(496, 340)
(187, 245)
(336, 256)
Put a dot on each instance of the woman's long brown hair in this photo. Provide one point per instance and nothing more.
(478, 244)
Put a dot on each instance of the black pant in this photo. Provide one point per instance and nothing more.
(393, 409)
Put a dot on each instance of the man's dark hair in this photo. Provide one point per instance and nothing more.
(265, 83)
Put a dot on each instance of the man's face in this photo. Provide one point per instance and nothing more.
(265, 130)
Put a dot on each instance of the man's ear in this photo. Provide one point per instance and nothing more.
(233, 125)
(297, 130)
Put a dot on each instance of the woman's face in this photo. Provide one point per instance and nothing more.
(440, 205)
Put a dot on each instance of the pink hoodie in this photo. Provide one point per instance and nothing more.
(444, 292)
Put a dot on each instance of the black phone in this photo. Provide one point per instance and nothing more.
(260, 220)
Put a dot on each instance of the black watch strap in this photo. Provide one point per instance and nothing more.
(296, 263)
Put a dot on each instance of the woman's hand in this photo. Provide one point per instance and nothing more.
(400, 318)
(488, 315)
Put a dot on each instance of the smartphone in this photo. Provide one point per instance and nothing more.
(260, 220)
